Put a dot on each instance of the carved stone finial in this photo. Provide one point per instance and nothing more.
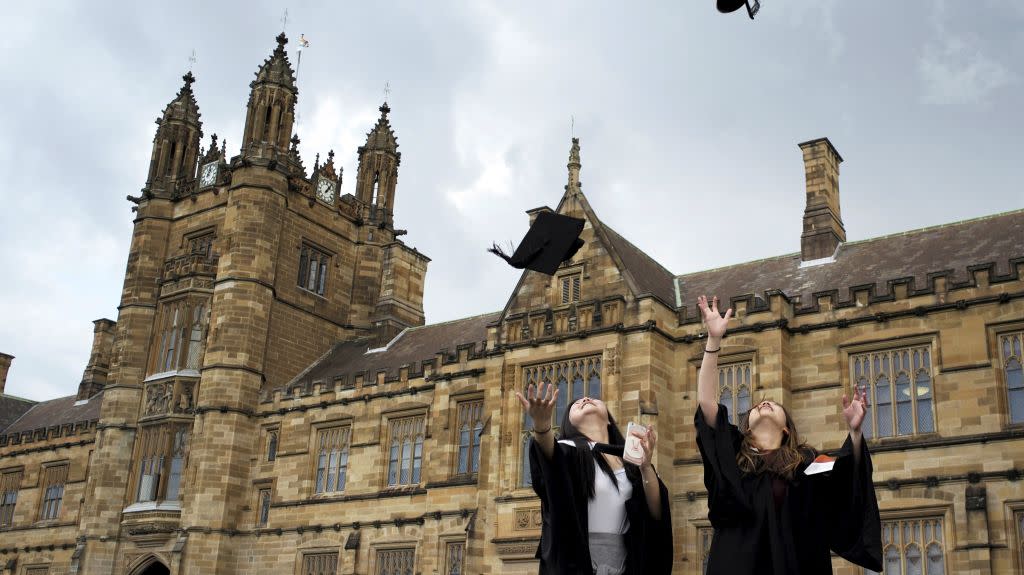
(189, 79)
(384, 110)
(281, 40)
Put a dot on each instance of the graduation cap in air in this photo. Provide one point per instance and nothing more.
(552, 239)
(726, 6)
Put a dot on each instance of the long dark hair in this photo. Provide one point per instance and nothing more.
(585, 455)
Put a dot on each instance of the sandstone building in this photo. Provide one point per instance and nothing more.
(270, 401)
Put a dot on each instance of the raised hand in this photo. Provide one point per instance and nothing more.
(714, 321)
(539, 403)
(647, 441)
(854, 410)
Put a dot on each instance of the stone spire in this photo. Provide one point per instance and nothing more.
(176, 144)
(271, 108)
(377, 176)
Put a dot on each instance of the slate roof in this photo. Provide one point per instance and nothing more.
(57, 412)
(949, 249)
(11, 408)
(412, 347)
(648, 275)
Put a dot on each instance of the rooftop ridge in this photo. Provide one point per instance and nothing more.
(861, 242)
(450, 321)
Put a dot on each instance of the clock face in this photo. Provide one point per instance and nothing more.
(325, 190)
(209, 175)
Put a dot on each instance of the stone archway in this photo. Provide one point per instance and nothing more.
(151, 566)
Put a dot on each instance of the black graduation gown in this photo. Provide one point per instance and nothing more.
(834, 510)
(564, 543)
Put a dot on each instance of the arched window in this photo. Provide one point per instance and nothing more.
(734, 386)
(900, 383)
(575, 378)
(406, 451)
(1012, 359)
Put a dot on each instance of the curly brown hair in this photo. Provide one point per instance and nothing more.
(783, 461)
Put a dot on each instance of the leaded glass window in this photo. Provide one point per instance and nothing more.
(574, 379)
(734, 388)
(320, 564)
(470, 429)
(899, 387)
(54, 478)
(1010, 351)
(264, 508)
(912, 547)
(10, 483)
(313, 266)
(332, 459)
(405, 452)
(453, 558)
(396, 561)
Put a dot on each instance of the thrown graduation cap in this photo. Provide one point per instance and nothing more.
(552, 239)
(726, 6)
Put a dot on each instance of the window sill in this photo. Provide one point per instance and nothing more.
(174, 373)
(305, 291)
(153, 506)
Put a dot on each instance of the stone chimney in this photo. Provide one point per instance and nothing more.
(823, 224)
(95, 376)
(5, 364)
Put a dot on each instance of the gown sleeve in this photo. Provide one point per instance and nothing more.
(728, 504)
(553, 485)
(655, 534)
(855, 529)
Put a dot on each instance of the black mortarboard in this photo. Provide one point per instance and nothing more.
(552, 239)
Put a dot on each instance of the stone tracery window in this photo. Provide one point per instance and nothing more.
(182, 335)
(899, 386)
(332, 450)
(54, 479)
(405, 451)
(469, 430)
(10, 483)
(912, 547)
(574, 378)
(734, 387)
(161, 453)
(1010, 345)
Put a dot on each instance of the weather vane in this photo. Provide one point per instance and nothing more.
(387, 91)
(284, 21)
(192, 60)
(572, 125)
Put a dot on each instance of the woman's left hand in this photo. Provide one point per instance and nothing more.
(647, 441)
(855, 410)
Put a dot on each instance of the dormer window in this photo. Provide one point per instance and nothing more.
(570, 288)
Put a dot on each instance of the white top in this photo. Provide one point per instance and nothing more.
(606, 512)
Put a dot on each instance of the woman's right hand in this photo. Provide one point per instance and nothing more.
(539, 403)
(714, 321)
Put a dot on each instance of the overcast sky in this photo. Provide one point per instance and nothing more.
(689, 122)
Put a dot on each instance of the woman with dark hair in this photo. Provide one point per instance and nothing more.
(601, 515)
(777, 506)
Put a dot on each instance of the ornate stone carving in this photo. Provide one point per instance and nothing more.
(158, 396)
(528, 519)
(183, 403)
(611, 363)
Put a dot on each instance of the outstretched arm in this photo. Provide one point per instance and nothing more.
(707, 379)
(539, 403)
